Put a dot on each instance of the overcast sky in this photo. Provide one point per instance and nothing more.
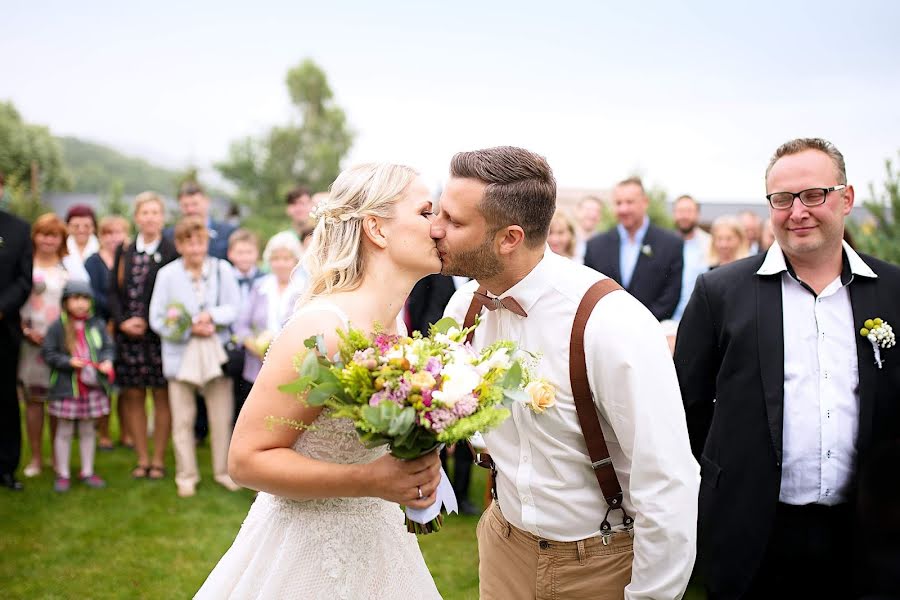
(693, 95)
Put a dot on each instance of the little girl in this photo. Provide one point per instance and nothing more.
(79, 353)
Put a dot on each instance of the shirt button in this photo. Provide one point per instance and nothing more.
(524, 459)
(544, 544)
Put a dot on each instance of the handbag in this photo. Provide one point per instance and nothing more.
(202, 361)
(233, 365)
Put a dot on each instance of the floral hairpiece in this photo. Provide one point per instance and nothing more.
(330, 215)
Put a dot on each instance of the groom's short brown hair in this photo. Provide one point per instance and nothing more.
(520, 188)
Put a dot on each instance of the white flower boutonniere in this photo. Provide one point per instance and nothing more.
(157, 257)
(646, 250)
(880, 334)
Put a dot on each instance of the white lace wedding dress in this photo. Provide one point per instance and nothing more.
(347, 548)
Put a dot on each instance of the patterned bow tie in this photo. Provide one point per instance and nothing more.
(509, 303)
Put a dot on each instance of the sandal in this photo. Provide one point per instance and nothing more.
(140, 472)
(105, 446)
(156, 473)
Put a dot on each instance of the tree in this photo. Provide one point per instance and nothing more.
(307, 151)
(113, 202)
(31, 160)
(880, 236)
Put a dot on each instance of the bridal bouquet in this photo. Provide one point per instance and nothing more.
(414, 393)
(178, 320)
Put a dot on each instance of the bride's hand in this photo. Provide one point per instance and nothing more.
(400, 480)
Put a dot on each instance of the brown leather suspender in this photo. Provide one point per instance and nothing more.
(588, 417)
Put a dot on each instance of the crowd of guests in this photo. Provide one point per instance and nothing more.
(211, 268)
(101, 320)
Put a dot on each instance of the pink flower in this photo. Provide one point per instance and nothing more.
(441, 418)
(172, 314)
(465, 406)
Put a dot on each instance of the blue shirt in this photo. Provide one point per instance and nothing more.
(630, 251)
(696, 262)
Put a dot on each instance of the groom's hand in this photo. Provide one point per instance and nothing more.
(400, 480)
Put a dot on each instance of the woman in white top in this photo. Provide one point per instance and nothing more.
(327, 522)
(82, 240)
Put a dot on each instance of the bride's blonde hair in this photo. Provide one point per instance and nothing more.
(334, 260)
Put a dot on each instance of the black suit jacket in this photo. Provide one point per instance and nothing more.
(656, 281)
(428, 299)
(729, 356)
(15, 270)
(120, 279)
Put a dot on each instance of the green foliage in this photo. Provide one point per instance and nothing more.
(880, 236)
(306, 151)
(99, 169)
(31, 160)
(113, 202)
(487, 418)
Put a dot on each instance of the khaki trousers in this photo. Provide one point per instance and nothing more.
(516, 565)
(218, 395)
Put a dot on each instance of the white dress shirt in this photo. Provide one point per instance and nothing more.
(696, 262)
(630, 250)
(821, 383)
(545, 482)
(147, 248)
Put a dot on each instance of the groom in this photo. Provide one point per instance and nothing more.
(550, 533)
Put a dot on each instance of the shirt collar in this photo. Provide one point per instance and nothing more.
(141, 246)
(639, 236)
(775, 262)
(530, 288)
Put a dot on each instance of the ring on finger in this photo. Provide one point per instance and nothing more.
(419, 489)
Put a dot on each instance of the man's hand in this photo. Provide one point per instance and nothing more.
(77, 363)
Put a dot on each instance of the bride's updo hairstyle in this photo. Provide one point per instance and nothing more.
(334, 259)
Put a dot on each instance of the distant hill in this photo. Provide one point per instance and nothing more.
(94, 168)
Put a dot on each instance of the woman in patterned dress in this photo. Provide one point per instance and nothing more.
(138, 353)
(52, 269)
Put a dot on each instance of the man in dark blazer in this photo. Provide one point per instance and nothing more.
(15, 287)
(785, 399)
(194, 202)
(425, 306)
(647, 261)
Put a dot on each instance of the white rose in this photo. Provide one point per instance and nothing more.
(497, 359)
(458, 380)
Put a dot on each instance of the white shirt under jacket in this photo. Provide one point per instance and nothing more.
(545, 482)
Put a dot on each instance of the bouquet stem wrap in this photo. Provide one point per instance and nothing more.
(430, 520)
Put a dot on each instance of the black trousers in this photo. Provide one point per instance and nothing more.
(10, 419)
(810, 554)
(462, 469)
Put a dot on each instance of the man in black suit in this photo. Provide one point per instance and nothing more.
(425, 305)
(15, 286)
(646, 260)
(785, 399)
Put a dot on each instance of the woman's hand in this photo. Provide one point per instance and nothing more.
(77, 363)
(203, 329)
(133, 327)
(33, 336)
(400, 481)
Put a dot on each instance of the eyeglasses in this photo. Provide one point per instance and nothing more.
(810, 197)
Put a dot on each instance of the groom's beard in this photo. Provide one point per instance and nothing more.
(480, 263)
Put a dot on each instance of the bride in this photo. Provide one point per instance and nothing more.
(326, 523)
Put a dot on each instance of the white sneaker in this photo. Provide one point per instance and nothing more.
(31, 471)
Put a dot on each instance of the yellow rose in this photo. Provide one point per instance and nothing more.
(422, 380)
(543, 395)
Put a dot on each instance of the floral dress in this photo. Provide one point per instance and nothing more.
(41, 310)
(138, 360)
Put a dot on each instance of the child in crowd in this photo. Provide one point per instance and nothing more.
(79, 352)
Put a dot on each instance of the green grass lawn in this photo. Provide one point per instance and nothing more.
(137, 539)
